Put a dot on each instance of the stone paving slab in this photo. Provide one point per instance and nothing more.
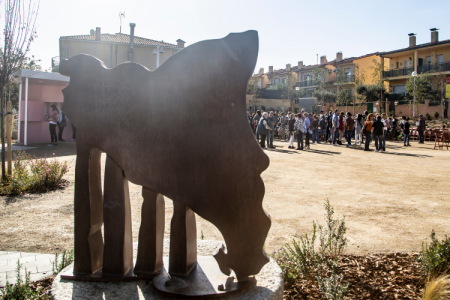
(39, 265)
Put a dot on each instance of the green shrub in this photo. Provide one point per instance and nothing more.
(21, 290)
(435, 257)
(298, 259)
(332, 237)
(66, 259)
(31, 174)
(428, 117)
(331, 287)
(436, 115)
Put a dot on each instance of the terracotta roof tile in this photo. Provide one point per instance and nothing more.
(347, 60)
(120, 38)
(416, 47)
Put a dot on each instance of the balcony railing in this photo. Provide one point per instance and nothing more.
(346, 78)
(305, 83)
(398, 72)
(433, 68)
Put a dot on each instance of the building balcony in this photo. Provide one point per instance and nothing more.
(434, 68)
(398, 72)
(305, 83)
(346, 78)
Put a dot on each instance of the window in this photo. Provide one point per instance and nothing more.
(348, 73)
(428, 60)
(259, 84)
(440, 59)
(397, 65)
(283, 81)
(277, 80)
(407, 64)
(400, 89)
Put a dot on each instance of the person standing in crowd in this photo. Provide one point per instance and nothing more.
(307, 129)
(282, 119)
(291, 127)
(329, 120)
(359, 124)
(421, 129)
(341, 128)
(323, 127)
(349, 128)
(378, 132)
(256, 120)
(53, 120)
(272, 120)
(249, 118)
(315, 128)
(263, 129)
(62, 122)
(406, 131)
(385, 129)
(368, 131)
(300, 127)
(394, 126)
(335, 128)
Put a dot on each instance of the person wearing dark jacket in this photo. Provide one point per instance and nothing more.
(263, 129)
(421, 129)
(349, 128)
(406, 131)
(378, 132)
(291, 127)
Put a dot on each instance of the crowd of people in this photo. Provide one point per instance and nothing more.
(332, 127)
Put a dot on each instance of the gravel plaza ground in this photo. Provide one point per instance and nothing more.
(391, 200)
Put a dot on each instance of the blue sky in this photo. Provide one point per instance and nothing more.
(289, 31)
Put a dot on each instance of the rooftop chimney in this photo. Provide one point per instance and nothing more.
(98, 36)
(412, 39)
(288, 67)
(300, 64)
(434, 35)
(323, 60)
(338, 56)
(130, 52)
(180, 43)
(270, 69)
(261, 71)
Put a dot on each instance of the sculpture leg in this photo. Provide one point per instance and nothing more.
(88, 213)
(183, 240)
(118, 253)
(151, 234)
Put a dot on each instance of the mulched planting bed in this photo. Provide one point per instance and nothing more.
(377, 276)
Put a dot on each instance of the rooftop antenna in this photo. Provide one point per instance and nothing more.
(121, 15)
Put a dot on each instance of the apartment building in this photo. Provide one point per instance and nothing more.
(305, 75)
(117, 48)
(432, 57)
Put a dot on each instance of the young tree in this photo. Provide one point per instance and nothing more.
(320, 79)
(360, 79)
(379, 79)
(19, 32)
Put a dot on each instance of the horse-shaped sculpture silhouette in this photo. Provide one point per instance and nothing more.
(207, 160)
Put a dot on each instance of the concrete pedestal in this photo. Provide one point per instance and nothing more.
(269, 283)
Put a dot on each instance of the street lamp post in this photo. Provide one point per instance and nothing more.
(157, 51)
(414, 74)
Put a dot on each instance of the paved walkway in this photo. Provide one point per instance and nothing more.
(39, 265)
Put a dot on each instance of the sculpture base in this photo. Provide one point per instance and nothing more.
(98, 276)
(204, 280)
(269, 283)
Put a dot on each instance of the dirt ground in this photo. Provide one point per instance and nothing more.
(391, 200)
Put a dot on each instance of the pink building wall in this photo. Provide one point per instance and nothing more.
(40, 97)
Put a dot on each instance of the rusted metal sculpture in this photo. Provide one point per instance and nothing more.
(207, 161)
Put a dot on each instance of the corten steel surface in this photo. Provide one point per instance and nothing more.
(118, 249)
(204, 281)
(151, 234)
(88, 211)
(206, 159)
(183, 240)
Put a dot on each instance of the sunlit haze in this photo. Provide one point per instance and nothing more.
(289, 31)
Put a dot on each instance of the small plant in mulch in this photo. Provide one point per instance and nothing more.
(24, 290)
(315, 267)
(66, 259)
(34, 175)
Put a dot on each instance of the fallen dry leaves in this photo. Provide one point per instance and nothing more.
(377, 276)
